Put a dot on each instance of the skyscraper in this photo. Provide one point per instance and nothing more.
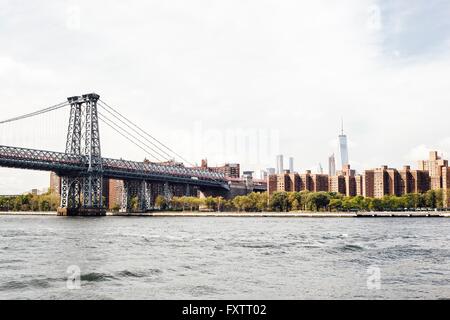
(343, 146)
(291, 164)
(280, 165)
(332, 165)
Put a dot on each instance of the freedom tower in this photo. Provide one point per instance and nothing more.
(343, 146)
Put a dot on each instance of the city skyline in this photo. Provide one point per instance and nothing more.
(300, 65)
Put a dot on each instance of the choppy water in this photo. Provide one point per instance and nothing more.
(224, 258)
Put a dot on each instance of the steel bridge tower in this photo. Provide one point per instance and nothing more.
(81, 194)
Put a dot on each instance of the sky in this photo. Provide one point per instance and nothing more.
(233, 81)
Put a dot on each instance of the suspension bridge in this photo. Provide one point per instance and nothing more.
(83, 170)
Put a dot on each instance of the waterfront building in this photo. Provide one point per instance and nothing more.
(359, 185)
(272, 184)
(434, 165)
(284, 182)
(306, 182)
(439, 174)
(337, 184)
(368, 183)
(295, 181)
(414, 181)
(115, 193)
(229, 170)
(344, 182)
(319, 182)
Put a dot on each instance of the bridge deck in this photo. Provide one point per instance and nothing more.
(67, 164)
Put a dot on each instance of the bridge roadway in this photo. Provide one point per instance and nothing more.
(74, 165)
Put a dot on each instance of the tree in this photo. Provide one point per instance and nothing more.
(335, 205)
(211, 203)
(161, 203)
(317, 201)
(431, 199)
(375, 204)
(279, 202)
(295, 200)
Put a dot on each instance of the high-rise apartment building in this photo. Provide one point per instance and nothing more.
(344, 182)
(319, 182)
(434, 166)
(229, 170)
(272, 184)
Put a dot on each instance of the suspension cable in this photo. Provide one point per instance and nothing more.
(134, 137)
(36, 113)
(146, 133)
(104, 104)
(126, 135)
(165, 155)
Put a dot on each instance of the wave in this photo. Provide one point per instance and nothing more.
(351, 247)
(16, 285)
(96, 277)
(138, 274)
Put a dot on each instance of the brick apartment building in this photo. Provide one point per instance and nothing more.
(432, 174)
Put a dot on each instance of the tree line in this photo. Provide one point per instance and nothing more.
(305, 201)
(255, 202)
(29, 202)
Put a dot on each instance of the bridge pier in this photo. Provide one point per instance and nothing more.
(139, 190)
(81, 194)
(83, 169)
(81, 212)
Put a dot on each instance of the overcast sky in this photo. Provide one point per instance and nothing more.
(234, 81)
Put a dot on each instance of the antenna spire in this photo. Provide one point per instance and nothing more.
(342, 125)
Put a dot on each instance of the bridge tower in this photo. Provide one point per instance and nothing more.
(81, 194)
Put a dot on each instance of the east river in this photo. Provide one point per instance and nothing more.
(224, 258)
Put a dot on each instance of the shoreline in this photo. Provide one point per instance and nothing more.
(386, 214)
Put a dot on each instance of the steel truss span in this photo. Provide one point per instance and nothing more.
(82, 168)
(75, 165)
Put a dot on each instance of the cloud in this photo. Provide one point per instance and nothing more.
(292, 67)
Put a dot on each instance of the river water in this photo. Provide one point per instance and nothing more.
(224, 258)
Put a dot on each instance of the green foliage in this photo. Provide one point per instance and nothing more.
(28, 202)
(280, 202)
(161, 203)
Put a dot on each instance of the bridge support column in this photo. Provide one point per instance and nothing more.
(168, 192)
(82, 195)
(140, 191)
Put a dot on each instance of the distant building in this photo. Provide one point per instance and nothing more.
(272, 184)
(290, 182)
(345, 182)
(343, 147)
(434, 166)
(280, 164)
(439, 173)
(291, 164)
(332, 165)
(271, 171)
(337, 184)
(116, 189)
(55, 183)
(229, 170)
